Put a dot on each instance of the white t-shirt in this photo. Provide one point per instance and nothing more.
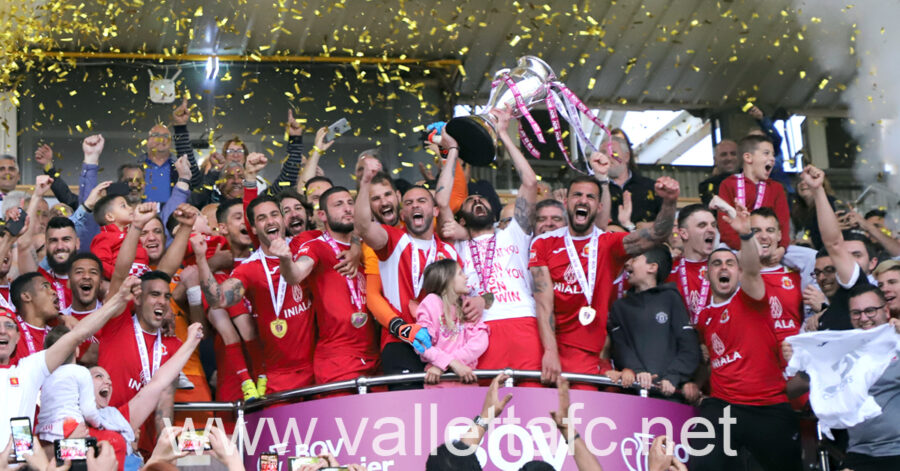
(19, 388)
(842, 365)
(68, 392)
(510, 282)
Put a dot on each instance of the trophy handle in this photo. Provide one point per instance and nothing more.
(498, 74)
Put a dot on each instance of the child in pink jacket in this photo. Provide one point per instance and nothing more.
(456, 344)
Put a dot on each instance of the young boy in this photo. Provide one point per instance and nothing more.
(651, 334)
(753, 188)
(114, 216)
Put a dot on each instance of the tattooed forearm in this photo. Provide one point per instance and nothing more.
(232, 292)
(640, 241)
(524, 214)
(211, 291)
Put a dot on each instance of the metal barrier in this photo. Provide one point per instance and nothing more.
(362, 384)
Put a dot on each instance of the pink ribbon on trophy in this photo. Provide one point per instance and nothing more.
(523, 110)
(571, 98)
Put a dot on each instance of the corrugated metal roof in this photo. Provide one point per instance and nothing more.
(642, 54)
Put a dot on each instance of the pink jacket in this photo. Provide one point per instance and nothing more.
(466, 345)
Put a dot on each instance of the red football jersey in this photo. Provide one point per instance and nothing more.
(691, 288)
(37, 338)
(774, 198)
(83, 348)
(106, 245)
(118, 354)
(294, 349)
(549, 250)
(785, 300)
(334, 306)
(743, 351)
(395, 265)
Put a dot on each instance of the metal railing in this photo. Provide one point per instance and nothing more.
(362, 384)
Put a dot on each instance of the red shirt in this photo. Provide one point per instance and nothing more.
(60, 285)
(334, 306)
(774, 198)
(395, 265)
(549, 250)
(294, 350)
(83, 348)
(785, 300)
(6, 301)
(118, 354)
(106, 246)
(213, 242)
(695, 273)
(37, 336)
(743, 351)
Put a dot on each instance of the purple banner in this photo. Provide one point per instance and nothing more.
(397, 430)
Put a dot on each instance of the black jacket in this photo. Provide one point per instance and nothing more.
(650, 331)
(645, 204)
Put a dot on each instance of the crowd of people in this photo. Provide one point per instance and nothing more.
(108, 295)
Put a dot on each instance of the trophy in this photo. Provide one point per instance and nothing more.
(520, 88)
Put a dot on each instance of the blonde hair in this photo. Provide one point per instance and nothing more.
(438, 279)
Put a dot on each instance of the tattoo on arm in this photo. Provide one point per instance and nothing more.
(34, 256)
(523, 214)
(211, 290)
(233, 293)
(640, 241)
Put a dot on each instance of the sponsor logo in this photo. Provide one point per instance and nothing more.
(717, 344)
(297, 293)
(775, 307)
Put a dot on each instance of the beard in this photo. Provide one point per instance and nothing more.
(340, 227)
(60, 267)
(477, 223)
(583, 227)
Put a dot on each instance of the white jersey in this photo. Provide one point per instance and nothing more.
(19, 388)
(842, 366)
(510, 281)
(70, 394)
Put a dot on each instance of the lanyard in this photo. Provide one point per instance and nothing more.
(29, 340)
(146, 373)
(742, 192)
(700, 303)
(587, 283)
(416, 271)
(485, 272)
(277, 301)
(355, 288)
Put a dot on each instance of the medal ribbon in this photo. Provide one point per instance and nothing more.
(686, 291)
(277, 301)
(146, 373)
(29, 340)
(587, 283)
(355, 288)
(742, 192)
(417, 272)
(485, 272)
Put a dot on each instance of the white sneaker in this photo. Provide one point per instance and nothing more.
(184, 382)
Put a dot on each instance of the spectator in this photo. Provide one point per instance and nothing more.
(456, 343)
(803, 212)
(887, 273)
(753, 188)
(549, 215)
(160, 174)
(651, 334)
(852, 256)
(874, 444)
(9, 174)
(726, 163)
(624, 176)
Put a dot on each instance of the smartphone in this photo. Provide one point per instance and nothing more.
(14, 227)
(268, 462)
(73, 449)
(196, 440)
(337, 128)
(23, 441)
(296, 462)
(118, 189)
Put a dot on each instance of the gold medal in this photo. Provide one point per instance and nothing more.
(359, 319)
(279, 327)
(586, 315)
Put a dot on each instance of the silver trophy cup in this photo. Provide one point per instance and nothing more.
(476, 134)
